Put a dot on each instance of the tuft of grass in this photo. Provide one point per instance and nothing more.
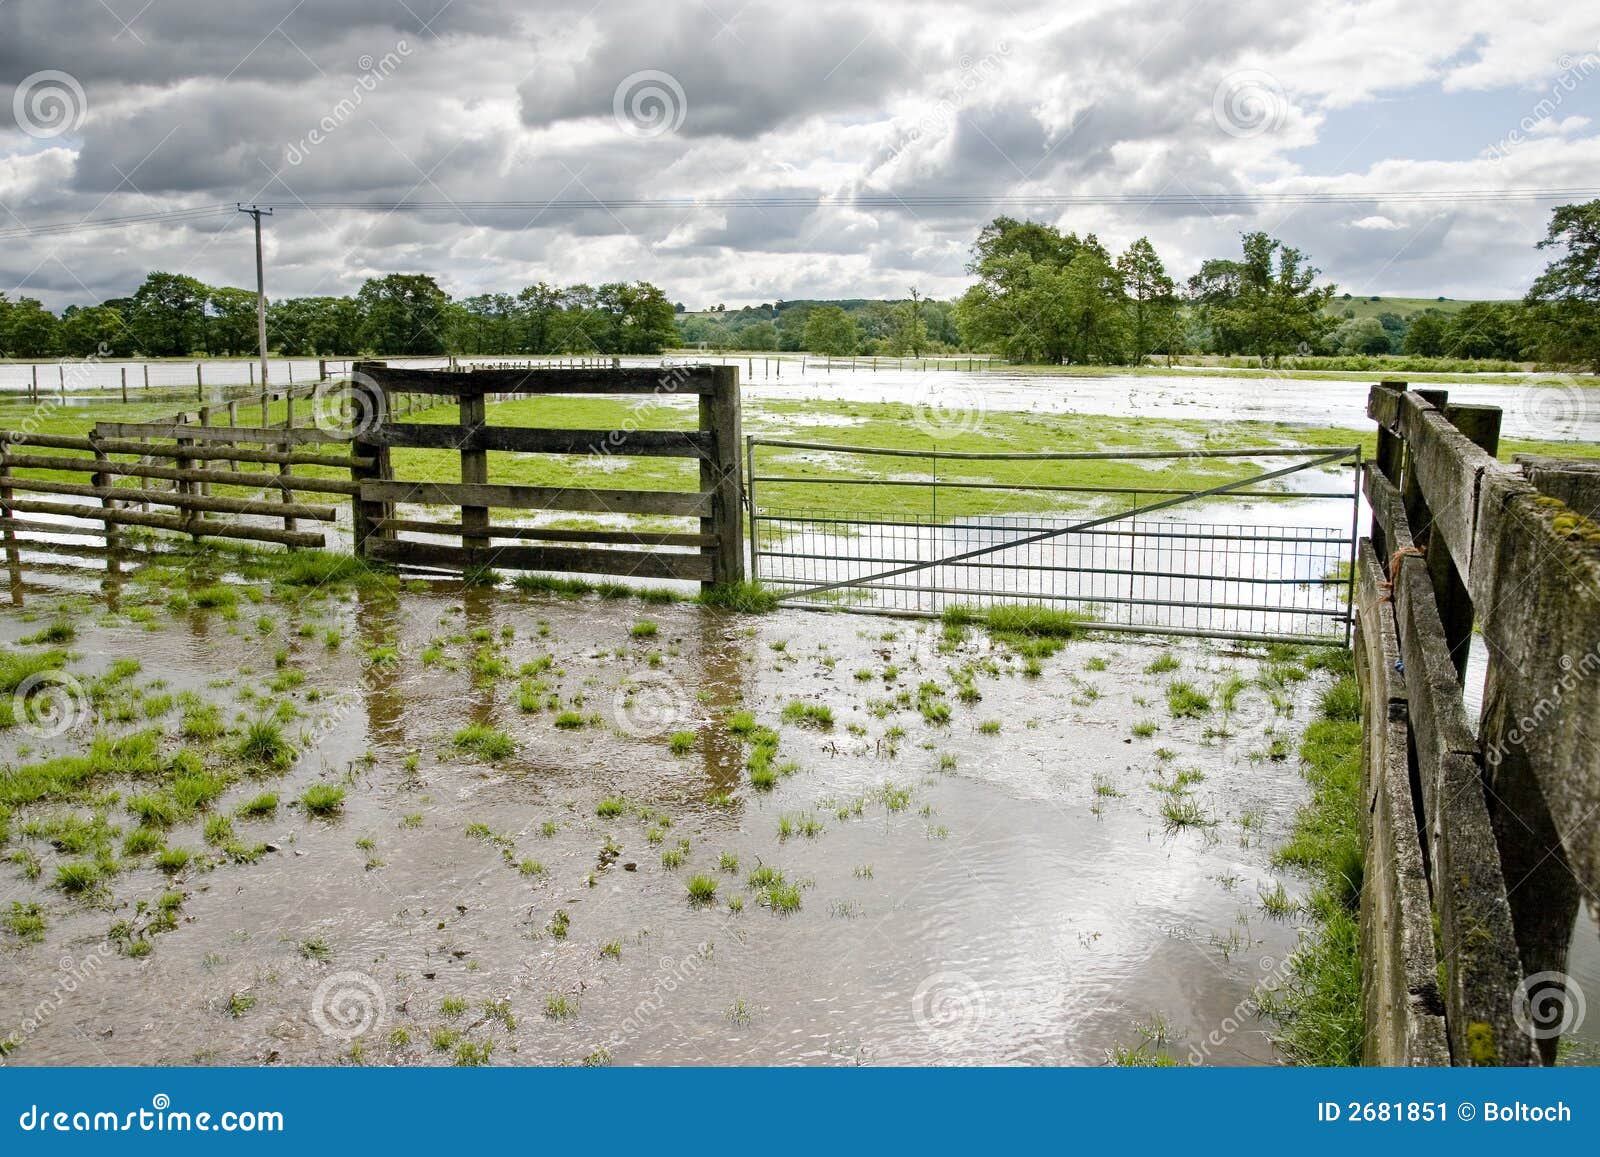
(681, 742)
(748, 597)
(264, 745)
(264, 804)
(814, 715)
(322, 799)
(702, 889)
(644, 629)
(25, 921)
(610, 807)
(1162, 663)
(1186, 701)
(483, 741)
(79, 876)
(560, 1007)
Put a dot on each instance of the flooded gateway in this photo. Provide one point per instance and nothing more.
(433, 826)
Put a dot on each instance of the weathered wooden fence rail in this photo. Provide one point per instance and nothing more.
(1479, 833)
(716, 552)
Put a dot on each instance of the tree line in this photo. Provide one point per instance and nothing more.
(173, 315)
(1041, 295)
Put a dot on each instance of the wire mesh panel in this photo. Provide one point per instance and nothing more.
(1178, 569)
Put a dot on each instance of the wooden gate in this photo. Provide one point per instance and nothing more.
(714, 554)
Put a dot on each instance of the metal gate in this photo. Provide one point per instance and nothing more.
(1264, 550)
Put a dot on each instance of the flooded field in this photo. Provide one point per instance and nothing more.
(292, 821)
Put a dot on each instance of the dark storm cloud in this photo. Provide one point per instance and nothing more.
(202, 102)
(126, 42)
(762, 69)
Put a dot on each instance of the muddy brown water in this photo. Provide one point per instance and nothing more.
(1015, 910)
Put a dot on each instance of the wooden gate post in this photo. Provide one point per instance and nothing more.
(722, 473)
(474, 470)
(365, 517)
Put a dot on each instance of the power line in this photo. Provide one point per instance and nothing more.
(1206, 201)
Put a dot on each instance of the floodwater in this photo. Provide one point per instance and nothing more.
(1002, 894)
(1549, 406)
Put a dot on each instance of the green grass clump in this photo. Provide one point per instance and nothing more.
(322, 799)
(262, 805)
(60, 631)
(25, 921)
(702, 889)
(484, 742)
(1186, 701)
(644, 629)
(316, 568)
(217, 596)
(79, 876)
(681, 742)
(201, 721)
(1042, 622)
(803, 714)
(173, 860)
(610, 807)
(749, 597)
(264, 745)
(1161, 664)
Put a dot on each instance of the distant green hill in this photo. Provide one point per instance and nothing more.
(1404, 306)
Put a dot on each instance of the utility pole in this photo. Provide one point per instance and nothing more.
(261, 291)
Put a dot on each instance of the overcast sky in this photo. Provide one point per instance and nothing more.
(117, 107)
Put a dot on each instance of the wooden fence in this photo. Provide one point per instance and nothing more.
(715, 553)
(1479, 834)
(176, 462)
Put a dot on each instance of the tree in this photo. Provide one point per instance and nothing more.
(1151, 292)
(28, 329)
(1363, 335)
(910, 333)
(231, 322)
(1267, 304)
(94, 331)
(1044, 295)
(761, 335)
(168, 315)
(829, 330)
(1564, 300)
(403, 313)
(1425, 337)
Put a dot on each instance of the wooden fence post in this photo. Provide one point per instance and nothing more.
(474, 471)
(1539, 697)
(365, 517)
(721, 472)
